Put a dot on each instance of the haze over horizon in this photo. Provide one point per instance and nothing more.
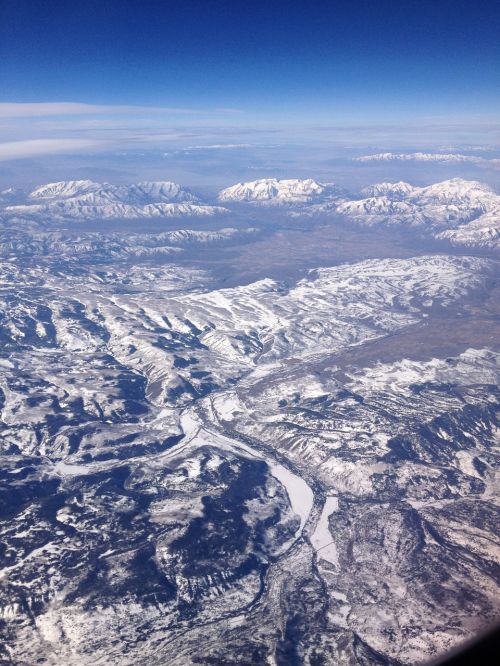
(181, 82)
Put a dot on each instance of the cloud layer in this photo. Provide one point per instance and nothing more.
(13, 150)
(37, 109)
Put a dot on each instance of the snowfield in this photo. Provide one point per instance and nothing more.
(206, 462)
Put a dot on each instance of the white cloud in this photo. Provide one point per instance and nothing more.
(220, 146)
(14, 150)
(37, 109)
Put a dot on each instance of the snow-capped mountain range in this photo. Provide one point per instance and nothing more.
(102, 193)
(445, 209)
(89, 200)
(444, 158)
(461, 211)
(450, 206)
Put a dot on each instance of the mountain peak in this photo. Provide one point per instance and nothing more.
(65, 189)
(159, 191)
(400, 189)
(273, 190)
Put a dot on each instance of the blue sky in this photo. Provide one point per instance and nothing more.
(87, 75)
(422, 57)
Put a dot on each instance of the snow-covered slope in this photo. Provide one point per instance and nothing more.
(156, 191)
(484, 231)
(68, 189)
(457, 191)
(397, 190)
(274, 191)
(183, 462)
(93, 192)
(79, 210)
(440, 207)
(101, 247)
